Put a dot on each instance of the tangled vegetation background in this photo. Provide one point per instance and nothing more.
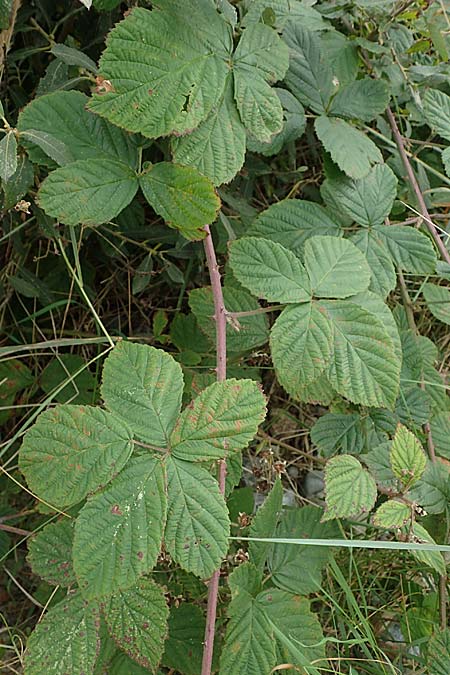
(313, 138)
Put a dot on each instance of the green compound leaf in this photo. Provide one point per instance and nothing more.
(336, 268)
(392, 515)
(374, 304)
(436, 108)
(50, 553)
(245, 581)
(440, 431)
(103, 5)
(14, 376)
(432, 492)
(379, 463)
(184, 646)
(222, 419)
(419, 352)
(294, 123)
(365, 367)
(65, 641)
(62, 118)
(350, 490)
(166, 68)
(318, 391)
(137, 620)
(5, 12)
(349, 147)
(297, 568)
(383, 276)
(186, 335)
(443, 269)
(143, 386)
(253, 330)
(71, 451)
(283, 11)
(438, 301)
(91, 191)
(367, 201)
(121, 663)
(264, 525)
(342, 54)
(172, 71)
(410, 249)
(439, 653)
(334, 432)
(309, 76)
(183, 197)
(7, 397)
(413, 405)
(73, 57)
(291, 222)
(249, 645)
(446, 160)
(197, 526)
(362, 99)
(301, 346)
(8, 156)
(51, 148)
(79, 389)
(108, 653)
(408, 459)
(260, 59)
(269, 270)
(216, 147)
(118, 532)
(297, 630)
(433, 559)
(18, 184)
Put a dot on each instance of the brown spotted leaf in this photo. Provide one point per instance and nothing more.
(72, 450)
(198, 525)
(118, 532)
(223, 418)
(65, 641)
(50, 553)
(137, 620)
(143, 387)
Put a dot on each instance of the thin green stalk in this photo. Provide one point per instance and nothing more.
(79, 283)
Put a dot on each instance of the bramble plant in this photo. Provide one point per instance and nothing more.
(256, 138)
(143, 467)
